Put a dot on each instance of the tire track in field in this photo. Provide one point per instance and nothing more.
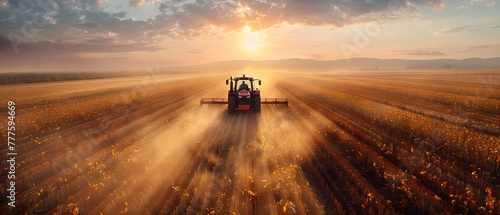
(156, 112)
(441, 154)
(101, 152)
(320, 100)
(335, 165)
(348, 123)
(155, 164)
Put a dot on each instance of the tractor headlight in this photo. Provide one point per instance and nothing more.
(240, 97)
(248, 97)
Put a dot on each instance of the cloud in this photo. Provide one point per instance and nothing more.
(163, 7)
(190, 19)
(450, 31)
(87, 25)
(428, 52)
(102, 40)
(84, 4)
(96, 4)
(139, 3)
(476, 48)
(93, 54)
(482, 48)
(488, 3)
(4, 4)
(496, 26)
(196, 51)
(183, 18)
(53, 48)
(424, 52)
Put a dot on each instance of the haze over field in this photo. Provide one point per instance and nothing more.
(418, 143)
(368, 107)
(117, 35)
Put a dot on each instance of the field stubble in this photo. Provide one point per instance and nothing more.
(347, 143)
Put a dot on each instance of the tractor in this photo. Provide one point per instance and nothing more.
(243, 97)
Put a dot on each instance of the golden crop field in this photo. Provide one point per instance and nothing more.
(352, 142)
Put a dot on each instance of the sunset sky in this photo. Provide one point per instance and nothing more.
(134, 34)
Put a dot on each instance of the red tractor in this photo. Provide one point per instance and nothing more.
(243, 97)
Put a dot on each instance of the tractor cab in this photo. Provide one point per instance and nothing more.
(243, 86)
(242, 83)
(242, 94)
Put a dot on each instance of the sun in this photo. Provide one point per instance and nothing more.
(252, 40)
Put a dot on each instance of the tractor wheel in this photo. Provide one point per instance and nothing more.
(256, 104)
(231, 104)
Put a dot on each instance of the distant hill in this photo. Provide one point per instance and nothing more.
(285, 64)
(355, 63)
